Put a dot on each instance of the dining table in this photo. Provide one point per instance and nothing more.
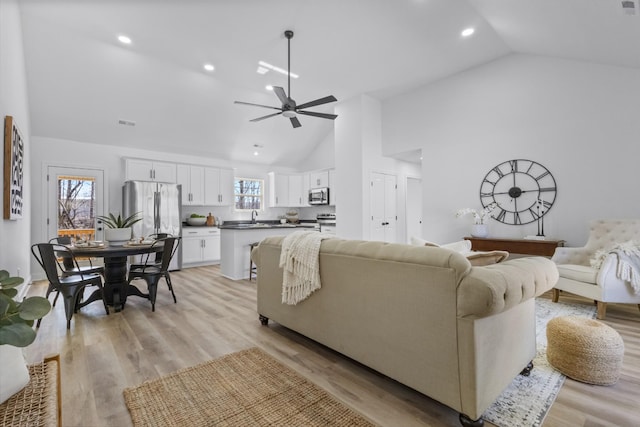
(116, 287)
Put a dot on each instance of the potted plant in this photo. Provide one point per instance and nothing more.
(16, 318)
(16, 330)
(118, 229)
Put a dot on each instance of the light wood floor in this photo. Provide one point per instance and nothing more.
(101, 355)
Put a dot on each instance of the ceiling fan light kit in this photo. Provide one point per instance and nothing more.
(289, 108)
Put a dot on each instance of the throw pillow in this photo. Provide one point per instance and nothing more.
(421, 242)
(479, 259)
(463, 246)
(14, 374)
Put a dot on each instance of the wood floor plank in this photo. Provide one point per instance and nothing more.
(214, 316)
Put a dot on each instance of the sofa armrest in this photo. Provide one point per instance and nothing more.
(496, 288)
(575, 256)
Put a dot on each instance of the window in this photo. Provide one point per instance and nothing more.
(248, 194)
(76, 206)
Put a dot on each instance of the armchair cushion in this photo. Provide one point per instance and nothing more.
(580, 273)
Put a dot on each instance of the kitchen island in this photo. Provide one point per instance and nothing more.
(236, 238)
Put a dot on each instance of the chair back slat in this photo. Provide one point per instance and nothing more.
(170, 248)
(45, 254)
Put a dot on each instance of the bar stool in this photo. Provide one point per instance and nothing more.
(252, 267)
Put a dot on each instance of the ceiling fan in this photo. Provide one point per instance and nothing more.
(289, 107)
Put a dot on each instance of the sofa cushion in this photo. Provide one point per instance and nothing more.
(580, 273)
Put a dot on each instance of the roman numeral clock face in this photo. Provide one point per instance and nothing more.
(523, 190)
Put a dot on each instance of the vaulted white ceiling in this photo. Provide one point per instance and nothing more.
(81, 80)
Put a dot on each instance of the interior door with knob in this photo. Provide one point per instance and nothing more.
(383, 207)
(75, 198)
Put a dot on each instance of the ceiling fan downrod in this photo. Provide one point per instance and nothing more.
(289, 35)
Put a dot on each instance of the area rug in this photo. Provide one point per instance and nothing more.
(247, 388)
(527, 400)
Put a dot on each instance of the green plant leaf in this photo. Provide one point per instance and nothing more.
(10, 293)
(34, 308)
(17, 335)
(11, 282)
(3, 274)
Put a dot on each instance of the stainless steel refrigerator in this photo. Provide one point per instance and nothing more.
(161, 209)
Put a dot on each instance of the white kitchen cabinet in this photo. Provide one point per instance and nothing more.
(148, 170)
(332, 187)
(319, 179)
(299, 190)
(200, 246)
(192, 180)
(278, 190)
(218, 187)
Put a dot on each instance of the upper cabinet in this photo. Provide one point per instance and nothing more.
(218, 187)
(319, 179)
(148, 170)
(193, 183)
(299, 190)
(291, 191)
(278, 190)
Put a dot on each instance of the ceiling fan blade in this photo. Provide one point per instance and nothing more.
(320, 101)
(282, 96)
(257, 105)
(322, 115)
(295, 122)
(265, 117)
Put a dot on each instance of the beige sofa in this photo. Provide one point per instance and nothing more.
(420, 315)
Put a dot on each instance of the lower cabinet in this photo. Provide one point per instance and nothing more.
(200, 246)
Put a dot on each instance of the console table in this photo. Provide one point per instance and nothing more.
(516, 246)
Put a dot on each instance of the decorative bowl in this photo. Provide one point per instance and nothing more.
(196, 221)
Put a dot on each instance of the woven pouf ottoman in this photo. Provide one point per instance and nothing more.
(585, 349)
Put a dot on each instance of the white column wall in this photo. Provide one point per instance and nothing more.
(14, 235)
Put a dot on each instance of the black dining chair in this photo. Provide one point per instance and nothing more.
(69, 268)
(152, 272)
(145, 258)
(70, 286)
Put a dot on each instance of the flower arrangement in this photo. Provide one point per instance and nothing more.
(478, 217)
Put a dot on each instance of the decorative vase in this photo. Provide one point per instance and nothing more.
(117, 236)
(479, 230)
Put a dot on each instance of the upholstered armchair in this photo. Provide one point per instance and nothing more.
(603, 285)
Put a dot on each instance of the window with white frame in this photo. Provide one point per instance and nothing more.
(248, 194)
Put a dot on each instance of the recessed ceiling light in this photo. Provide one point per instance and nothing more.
(467, 32)
(209, 67)
(255, 153)
(124, 39)
(274, 68)
(268, 87)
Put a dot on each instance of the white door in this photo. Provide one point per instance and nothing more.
(75, 198)
(383, 207)
(414, 208)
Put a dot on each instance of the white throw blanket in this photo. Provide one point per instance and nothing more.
(300, 261)
(628, 267)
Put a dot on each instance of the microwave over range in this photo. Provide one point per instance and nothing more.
(319, 196)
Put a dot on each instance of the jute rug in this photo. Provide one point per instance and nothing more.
(527, 400)
(247, 388)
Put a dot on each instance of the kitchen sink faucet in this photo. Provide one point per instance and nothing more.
(254, 214)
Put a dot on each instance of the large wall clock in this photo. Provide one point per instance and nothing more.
(523, 191)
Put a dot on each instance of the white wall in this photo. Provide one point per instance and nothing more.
(580, 120)
(14, 235)
(321, 157)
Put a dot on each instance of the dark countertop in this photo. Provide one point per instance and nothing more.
(245, 225)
